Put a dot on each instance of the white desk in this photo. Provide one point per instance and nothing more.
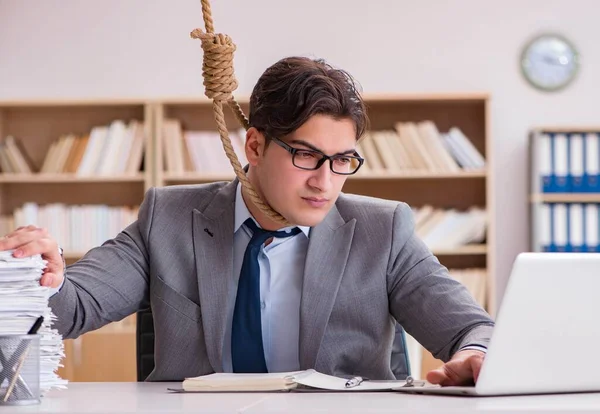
(154, 398)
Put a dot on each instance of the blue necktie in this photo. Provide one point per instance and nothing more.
(247, 352)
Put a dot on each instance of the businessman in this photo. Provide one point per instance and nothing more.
(231, 290)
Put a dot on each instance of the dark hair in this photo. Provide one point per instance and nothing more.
(292, 90)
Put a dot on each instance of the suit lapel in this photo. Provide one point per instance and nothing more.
(328, 249)
(213, 247)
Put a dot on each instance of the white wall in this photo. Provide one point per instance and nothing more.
(141, 48)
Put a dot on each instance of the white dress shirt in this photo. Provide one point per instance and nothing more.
(281, 274)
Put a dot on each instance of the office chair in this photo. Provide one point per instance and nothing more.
(400, 364)
(144, 342)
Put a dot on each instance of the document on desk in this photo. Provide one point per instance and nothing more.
(309, 380)
(22, 301)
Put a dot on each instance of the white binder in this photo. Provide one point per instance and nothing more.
(591, 227)
(560, 227)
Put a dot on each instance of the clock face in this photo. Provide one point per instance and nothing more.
(549, 62)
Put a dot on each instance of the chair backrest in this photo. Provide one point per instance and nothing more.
(144, 341)
(145, 348)
(400, 362)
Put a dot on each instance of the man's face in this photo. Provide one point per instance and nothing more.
(303, 197)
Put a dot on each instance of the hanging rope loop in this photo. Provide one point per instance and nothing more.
(219, 84)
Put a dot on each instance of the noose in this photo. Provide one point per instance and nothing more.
(219, 83)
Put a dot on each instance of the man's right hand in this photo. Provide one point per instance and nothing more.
(32, 240)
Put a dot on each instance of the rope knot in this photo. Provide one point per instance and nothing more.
(217, 66)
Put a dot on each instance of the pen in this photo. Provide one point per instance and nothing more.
(354, 381)
(36, 326)
(409, 382)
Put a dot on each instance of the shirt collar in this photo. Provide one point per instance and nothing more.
(242, 213)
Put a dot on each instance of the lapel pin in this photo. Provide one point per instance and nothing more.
(209, 232)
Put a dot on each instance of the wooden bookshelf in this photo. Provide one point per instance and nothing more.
(72, 256)
(463, 250)
(469, 112)
(193, 115)
(37, 124)
(69, 178)
(566, 198)
(457, 190)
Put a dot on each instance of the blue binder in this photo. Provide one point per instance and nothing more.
(597, 247)
(552, 246)
(552, 179)
(546, 162)
(561, 163)
(576, 220)
(590, 217)
(546, 227)
(577, 162)
(568, 245)
(592, 161)
(584, 246)
(561, 227)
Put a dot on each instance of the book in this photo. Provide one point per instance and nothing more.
(289, 381)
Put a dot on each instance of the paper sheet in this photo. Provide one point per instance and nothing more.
(22, 301)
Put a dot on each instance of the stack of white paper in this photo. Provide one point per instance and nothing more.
(22, 301)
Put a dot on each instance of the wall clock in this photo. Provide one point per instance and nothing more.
(549, 62)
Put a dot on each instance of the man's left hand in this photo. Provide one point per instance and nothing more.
(462, 369)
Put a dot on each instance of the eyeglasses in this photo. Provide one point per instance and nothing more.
(312, 160)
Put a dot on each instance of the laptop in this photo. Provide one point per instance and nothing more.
(547, 334)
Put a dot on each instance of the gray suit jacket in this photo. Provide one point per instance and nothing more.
(364, 268)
